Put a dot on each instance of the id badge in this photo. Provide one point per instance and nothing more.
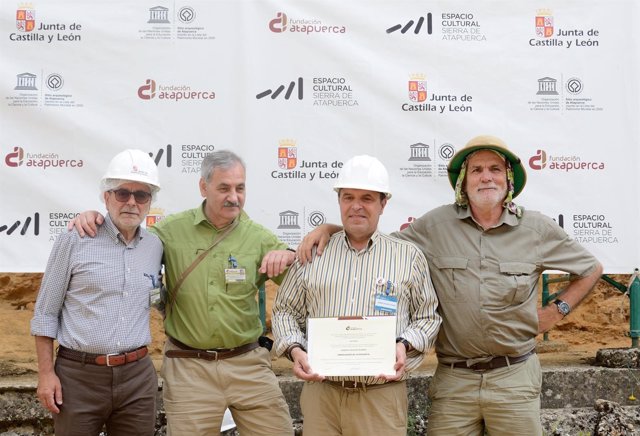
(154, 297)
(386, 303)
(235, 275)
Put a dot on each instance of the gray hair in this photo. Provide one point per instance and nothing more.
(219, 159)
(112, 184)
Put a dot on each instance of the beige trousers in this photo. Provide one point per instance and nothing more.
(330, 410)
(504, 401)
(196, 393)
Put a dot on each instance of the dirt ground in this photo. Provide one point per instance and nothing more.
(602, 321)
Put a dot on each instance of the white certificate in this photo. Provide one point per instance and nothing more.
(352, 346)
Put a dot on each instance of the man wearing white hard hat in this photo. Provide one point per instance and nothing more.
(95, 301)
(215, 260)
(363, 273)
(486, 256)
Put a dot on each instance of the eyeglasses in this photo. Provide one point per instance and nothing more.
(123, 195)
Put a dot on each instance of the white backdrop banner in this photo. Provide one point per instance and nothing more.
(297, 87)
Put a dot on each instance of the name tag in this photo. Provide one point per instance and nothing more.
(154, 297)
(235, 275)
(386, 303)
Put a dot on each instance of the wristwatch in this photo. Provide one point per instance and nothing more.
(563, 307)
(292, 347)
(407, 345)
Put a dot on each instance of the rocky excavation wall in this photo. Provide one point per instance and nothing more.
(575, 401)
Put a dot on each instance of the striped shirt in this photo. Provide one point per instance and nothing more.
(345, 282)
(94, 295)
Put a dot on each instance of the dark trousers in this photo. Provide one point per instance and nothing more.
(123, 398)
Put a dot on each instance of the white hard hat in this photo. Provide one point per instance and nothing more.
(135, 166)
(364, 172)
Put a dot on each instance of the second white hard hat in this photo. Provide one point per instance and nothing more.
(133, 165)
(364, 172)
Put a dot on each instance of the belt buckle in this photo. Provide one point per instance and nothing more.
(475, 368)
(111, 355)
(213, 353)
(352, 388)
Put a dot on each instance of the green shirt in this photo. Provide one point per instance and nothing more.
(208, 312)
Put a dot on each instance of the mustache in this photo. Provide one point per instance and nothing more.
(231, 204)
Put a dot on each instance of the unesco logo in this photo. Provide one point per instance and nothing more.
(446, 151)
(574, 86)
(54, 82)
(186, 14)
(316, 218)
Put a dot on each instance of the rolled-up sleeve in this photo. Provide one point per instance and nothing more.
(289, 311)
(55, 282)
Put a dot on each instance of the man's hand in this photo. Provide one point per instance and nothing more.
(50, 391)
(301, 368)
(320, 237)
(548, 316)
(573, 294)
(86, 223)
(399, 367)
(276, 261)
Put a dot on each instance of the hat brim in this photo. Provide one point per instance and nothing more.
(519, 173)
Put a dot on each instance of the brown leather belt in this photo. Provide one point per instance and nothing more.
(213, 354)
(116, 359)
(348, 384)
(496, 362)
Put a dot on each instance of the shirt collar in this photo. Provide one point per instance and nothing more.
(372, 241)
(200, 217)
(115, 234)
(506, 217)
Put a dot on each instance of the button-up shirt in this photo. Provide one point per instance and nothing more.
(487, 279)
(207, 311)
(95, 292)
(345, 282)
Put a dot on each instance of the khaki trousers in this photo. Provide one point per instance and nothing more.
(196, 393)
(330, 410)
(503, 401)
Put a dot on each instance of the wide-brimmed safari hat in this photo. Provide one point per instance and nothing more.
(488, 142)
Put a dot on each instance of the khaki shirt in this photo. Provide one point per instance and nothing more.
(486, 280)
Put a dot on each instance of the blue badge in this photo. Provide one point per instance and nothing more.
(386, 303)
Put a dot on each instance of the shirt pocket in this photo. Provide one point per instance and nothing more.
(518, 280)
(450, 283)
(247, 285)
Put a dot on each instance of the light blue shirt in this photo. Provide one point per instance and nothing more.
(94, 295)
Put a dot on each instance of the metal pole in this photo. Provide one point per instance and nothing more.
(262, 304)
(634, 296)
(545, 299)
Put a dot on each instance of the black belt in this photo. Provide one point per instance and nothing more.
(115, 359)
(496, 362)
(188, 352)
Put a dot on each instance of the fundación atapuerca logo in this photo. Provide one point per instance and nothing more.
(151, 90)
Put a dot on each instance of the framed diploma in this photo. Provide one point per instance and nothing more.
(352, 346)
